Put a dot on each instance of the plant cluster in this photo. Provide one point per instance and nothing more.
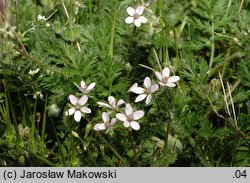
(176, 75)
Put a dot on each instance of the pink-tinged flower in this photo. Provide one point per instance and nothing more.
(106, 123)
(84, 88)
(135, 16)
(112, 103)
(145, 92)
(166, 79)
(77, 107)
(130, 117)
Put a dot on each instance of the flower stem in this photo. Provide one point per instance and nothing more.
(134, 149)
(111, 147)
(112, 32)
(212, 46)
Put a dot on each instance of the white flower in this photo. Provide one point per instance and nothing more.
(130, 117)
(106, 125)
(135, 16)
(78, 107)
(33, 72)
(112, 103)
(38, 93)
(144, 92)
(41, 18)
(164, 78)
(85, 88)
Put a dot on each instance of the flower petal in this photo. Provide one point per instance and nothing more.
(100, 126)
(166, 72)
(148, 99)
(135, 85)
(143, 19)
(112, 101)
(120, 102)
(129, 20)
(82, 101)
(121, 117)
(139, 10)
(173, 79)
(91, 86)
(77, 116)
(126, 124)
(73, 99)
(102, 104)
(137, 23)
(158, 75)
(154, 88)
(113, 121)
(128, 110)
(140, 97)
(70, 111)
(131, 11)
(137, 90)
(135, 125)
(86, 110)
(162, 84)
(138, 114)
(105, 117)
(147, 82)
(83, 84)
(171, 85)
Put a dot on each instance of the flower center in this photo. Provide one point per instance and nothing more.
(130, 118)
(147, 90)
(84, 89)
(78, 107)
(165, 79)
(136, 16)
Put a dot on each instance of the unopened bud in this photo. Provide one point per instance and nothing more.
(75, 134)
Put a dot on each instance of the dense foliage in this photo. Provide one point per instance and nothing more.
(48, 47)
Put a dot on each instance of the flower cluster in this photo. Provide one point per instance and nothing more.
(41, 18)
(146, 92)
(128, 117)
(33, 72)
(78, 105)
(116, 112)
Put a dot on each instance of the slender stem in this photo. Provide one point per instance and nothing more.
(165, 147)
(131, 38)
(241, 4)
(33, 128)
(166, 54)
(212, 47)
(157, 60)
(44, 119)
(229, 4)
(17, 17)
(134, 149)
(112, 32)
(90, 6)
(40, 158)
(65, 9)
(147, 67)
(71, 17)
(232, 104)
(111, 147)
(59, 145)
(72, 146)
